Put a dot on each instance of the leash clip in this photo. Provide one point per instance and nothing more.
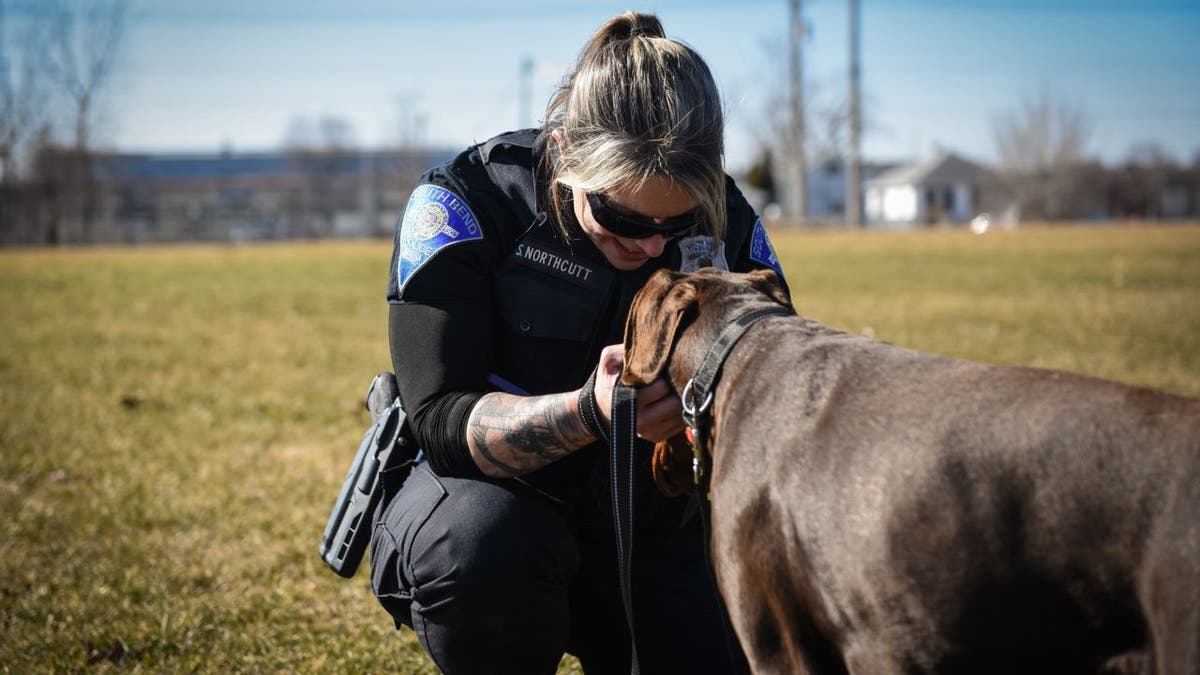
(691, 417)
(692, 412)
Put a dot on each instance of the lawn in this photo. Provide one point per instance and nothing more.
(176, 421)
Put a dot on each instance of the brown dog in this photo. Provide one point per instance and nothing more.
(881, 510)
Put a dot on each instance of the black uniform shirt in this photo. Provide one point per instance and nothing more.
(487, 295)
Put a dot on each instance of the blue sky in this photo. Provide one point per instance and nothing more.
(202, 75)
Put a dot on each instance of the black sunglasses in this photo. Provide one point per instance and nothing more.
(623, 223)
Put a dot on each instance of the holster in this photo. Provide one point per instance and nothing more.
(387, 448)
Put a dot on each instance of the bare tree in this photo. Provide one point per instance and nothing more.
(84, 40)
(336, 134)
(1040, 144)
(1138, 185)
(22, 89)
(828, 111)
(323, 154)
(829, 131)
(775, 133)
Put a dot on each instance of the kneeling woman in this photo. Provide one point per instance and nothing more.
(513, 271)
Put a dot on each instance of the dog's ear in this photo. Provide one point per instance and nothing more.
(652, 325)
(767, 282)
(671, 466)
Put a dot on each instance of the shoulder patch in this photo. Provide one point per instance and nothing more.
(761, 250)
(434, 219)
(696, 252)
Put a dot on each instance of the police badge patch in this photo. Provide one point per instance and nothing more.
(761, 250)
(434, 219)
(696, 252)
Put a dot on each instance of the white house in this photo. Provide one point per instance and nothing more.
(942, 189)
(826, 188)
(825, 191)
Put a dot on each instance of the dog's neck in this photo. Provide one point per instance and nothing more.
(695, 339)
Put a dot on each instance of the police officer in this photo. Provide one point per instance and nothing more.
(513, 271)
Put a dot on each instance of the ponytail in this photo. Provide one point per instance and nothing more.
(638, 105)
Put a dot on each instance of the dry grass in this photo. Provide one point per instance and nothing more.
(175, 422)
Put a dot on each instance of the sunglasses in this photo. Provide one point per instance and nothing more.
(624, 223)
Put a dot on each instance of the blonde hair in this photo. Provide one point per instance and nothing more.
(638, 105)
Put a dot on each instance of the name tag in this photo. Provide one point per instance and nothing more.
(557, 263)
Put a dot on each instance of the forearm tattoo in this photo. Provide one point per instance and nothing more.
(514, 435)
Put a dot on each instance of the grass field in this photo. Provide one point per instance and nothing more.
(176, 421)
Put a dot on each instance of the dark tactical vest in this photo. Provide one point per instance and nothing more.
(557, 302)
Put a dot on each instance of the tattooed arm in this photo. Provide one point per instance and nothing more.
(513, 435)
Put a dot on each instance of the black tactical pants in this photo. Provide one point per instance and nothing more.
(494, 578)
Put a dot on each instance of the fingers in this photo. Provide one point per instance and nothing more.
(659, 410)
(653, 392)
(612, 359)
(661, 417)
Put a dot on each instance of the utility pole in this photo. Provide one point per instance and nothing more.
(405, 122)
(854, 161)
(525, 94)
(798, 167)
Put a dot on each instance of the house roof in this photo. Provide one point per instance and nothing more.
(942, 167)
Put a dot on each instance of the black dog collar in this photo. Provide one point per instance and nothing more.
(697, 395)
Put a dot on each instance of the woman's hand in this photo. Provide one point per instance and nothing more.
(608, 371)
(659, 411)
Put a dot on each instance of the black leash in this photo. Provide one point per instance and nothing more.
(697, 397)
(623, 436)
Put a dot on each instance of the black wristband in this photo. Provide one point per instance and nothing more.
(588, 410)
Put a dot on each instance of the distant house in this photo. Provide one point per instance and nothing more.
(1180, 195)
(826, 188)
(942, 189)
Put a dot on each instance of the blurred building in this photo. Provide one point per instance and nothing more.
(826, 188)
(306, 193)
(143, 198)
(255, 196)
(943, 189)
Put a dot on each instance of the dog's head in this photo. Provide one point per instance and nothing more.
(677, 313)
(672, 322)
